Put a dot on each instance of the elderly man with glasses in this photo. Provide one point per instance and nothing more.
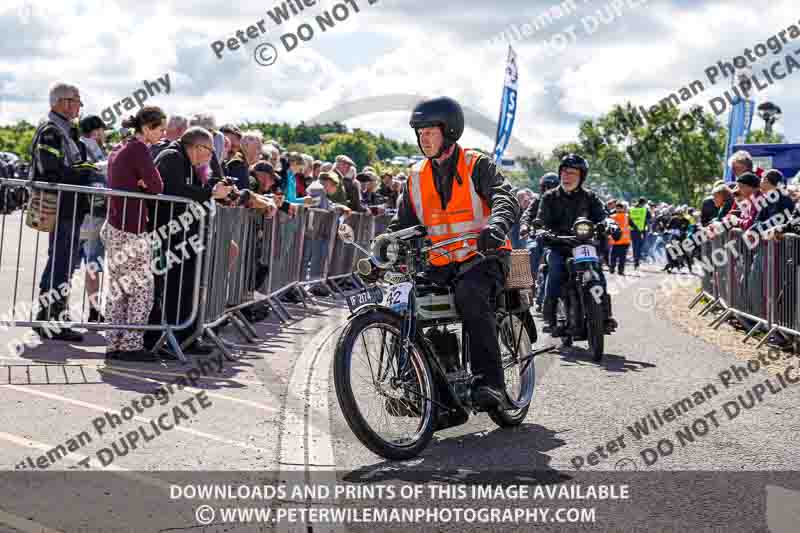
(56, 158)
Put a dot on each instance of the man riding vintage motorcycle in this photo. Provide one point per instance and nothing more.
(559, 208)
(455, 192)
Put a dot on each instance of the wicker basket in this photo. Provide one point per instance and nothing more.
(519, 276)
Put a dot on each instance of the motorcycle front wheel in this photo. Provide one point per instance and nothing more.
(387, 399)
(595, 326)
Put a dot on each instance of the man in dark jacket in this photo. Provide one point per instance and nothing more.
(56, 158)
(708, 211)
(175, 283)
(558, 211)
(431, 188)
(772, 186)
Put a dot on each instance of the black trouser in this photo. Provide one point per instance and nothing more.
(476, 295)
(637, 240)
(174, 290)
(619, 253)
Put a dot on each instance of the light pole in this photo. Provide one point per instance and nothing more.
(769, 113)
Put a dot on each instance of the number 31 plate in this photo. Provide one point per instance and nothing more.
(585, 252)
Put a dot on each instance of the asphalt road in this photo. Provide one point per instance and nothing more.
(272, 418)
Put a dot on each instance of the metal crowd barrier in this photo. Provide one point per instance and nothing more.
(758, 282)
(243, 259)
(25, 250)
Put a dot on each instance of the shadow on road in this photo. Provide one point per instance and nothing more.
(502, 456)
(611, 362)
(62, 363)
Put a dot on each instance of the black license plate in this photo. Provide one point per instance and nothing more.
(373, 295)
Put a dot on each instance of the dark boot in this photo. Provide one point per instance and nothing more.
(96, 316)
(57, 312)
(448, 419)
(490, 397)
(610, 322)
(549, 315)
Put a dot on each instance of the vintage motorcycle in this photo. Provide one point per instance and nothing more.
(584, 304)
(401, 371)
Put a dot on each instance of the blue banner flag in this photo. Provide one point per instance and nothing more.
(739, 122)
(508, 107)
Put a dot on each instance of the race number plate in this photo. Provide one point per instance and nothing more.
(584, 252)
(373, 295)
(397, 297)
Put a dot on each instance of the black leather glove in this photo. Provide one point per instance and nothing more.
(491, 238)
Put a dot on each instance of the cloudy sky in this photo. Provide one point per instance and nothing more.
(388, 52)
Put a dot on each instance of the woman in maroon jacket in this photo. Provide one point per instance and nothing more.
(129, 295)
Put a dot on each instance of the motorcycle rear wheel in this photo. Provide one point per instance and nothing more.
(516, 335)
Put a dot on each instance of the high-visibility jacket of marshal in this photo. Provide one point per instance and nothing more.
(466, 212)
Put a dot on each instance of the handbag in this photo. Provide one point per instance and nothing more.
(41, 210)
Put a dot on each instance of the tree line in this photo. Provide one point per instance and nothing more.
(670, 156)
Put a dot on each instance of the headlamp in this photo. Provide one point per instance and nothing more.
(583, 229)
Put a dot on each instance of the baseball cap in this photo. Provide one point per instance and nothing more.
(91, 123)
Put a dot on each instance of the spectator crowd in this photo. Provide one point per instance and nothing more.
(187, 157)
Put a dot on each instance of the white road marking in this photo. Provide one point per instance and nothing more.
(306, 439)
(78, 458)
(294, 434)
(102, 409)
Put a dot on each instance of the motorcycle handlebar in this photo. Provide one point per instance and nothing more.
(448, 242)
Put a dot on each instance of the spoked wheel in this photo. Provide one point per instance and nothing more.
(596, 326)
(387, 400)
(517, 337)
(563, 319)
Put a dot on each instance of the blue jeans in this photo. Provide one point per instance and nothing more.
(536, 248)
(315, 251)
(555, 270)
(555, 264)
(63, 244)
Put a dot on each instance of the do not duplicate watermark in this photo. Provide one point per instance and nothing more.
(152, 429)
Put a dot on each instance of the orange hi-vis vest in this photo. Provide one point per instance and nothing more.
(622, 221)
(466, 211)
